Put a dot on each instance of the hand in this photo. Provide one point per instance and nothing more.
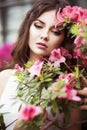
(47, 125)
(83, 93)
(18, 126)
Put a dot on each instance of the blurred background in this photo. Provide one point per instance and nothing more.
(12, 13)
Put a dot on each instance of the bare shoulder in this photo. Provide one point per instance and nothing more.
(4, 76)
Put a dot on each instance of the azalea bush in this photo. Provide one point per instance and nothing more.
(53, 82)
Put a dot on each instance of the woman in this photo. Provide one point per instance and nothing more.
(38, 36)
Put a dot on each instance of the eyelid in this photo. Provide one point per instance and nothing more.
(38, 26)
(38, 23)
(56, 29)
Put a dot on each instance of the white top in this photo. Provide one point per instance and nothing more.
(12, 105)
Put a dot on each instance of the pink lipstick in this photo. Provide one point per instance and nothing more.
(42, 45)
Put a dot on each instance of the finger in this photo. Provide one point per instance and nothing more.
(45, 115)
(83, 107)
(82, 92)
(47, 125)
(85, 100)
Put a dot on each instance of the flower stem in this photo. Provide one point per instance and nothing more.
(11, 123)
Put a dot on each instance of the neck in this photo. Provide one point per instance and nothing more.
(35, 58)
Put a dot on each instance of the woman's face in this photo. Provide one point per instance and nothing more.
(44, 36)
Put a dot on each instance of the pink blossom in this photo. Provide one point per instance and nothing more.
(36, 68)
(78, 11)
(56, 57)
(84, 62)
(67, 87)
(18, 68)
(29, 112)
(72, 94)
(79, 41)
(66, 53)
(73, 13)
(60, 19)
(66, 77)
(83, 15)
(70, 13)
(77, 53)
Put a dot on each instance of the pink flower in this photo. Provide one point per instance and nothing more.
(79, 41)
(56, 57)
(69, 12)
(60, 19)
(66, 77)
(83, 15)
(18, 68)
(84, 62)
(36, 69)
(66, 53)
(72, 94)
(77, 53)
(72, 14)
(64, 85)
(29, 112)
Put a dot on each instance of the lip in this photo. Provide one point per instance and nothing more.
(42, 45)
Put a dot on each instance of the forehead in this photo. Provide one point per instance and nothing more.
(48, 17)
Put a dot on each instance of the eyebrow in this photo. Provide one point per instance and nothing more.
(40, 21)
(43, 22)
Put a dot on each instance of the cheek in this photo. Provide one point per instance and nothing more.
(60, 40)
(32, 33)
(57, 42)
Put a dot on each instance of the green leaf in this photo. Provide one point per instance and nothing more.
(74, 29)
(28, 64)
(53, 96)
(44, 104)
(39, 123)
(54, 107)
(2, 124)
(1, 105)
(78, 84)
(62, 94)
(77, 72)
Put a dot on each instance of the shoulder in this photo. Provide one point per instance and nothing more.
(7, 71)
(4, 76)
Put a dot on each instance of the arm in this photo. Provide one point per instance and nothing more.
(83, 93)
(75, 120)
(4, 76)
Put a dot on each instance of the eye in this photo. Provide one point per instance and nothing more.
(37, 26)
(57, 32)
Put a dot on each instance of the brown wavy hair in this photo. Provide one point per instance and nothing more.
(21, 51)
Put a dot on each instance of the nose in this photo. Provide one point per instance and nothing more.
(45, 35)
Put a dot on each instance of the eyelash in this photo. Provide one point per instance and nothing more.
(57, 32)
(54, 32)
(38, 26)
